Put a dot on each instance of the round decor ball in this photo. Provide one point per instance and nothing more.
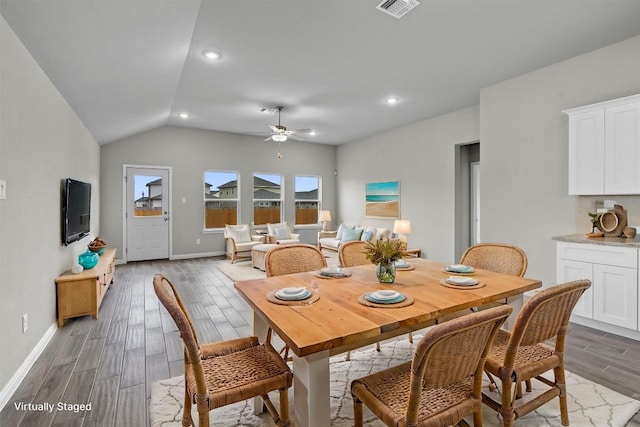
(88, 260)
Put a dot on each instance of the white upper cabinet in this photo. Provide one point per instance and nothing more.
(604, 148)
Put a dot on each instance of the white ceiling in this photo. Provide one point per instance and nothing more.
(126, 66)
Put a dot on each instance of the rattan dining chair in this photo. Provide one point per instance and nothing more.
(442, 384)
(521, 355)
(296, 258)
(351, 254)
(225, 372)
(496, 257)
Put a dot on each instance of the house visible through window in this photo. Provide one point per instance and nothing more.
(267, 198)
(307, 199)
(150, 190)
(221, 196)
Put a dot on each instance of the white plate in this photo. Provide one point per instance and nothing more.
(461, 281)
(402, 263)
(460, 268)
(296, 297)
(385, 295)
(292, 291)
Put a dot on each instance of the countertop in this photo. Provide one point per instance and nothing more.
(609, 241)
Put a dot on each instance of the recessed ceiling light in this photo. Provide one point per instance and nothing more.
(183, 115)
(392, 100)
(211, 54)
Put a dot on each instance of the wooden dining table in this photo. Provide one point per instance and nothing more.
(337, 322)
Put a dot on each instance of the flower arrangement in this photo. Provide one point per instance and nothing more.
(384, 251)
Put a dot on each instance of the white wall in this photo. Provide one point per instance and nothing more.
(422, 157)
(192, 151)
(41, 142)
(523, 148)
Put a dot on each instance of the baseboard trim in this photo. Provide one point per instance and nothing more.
(13, 383)
(201, 255)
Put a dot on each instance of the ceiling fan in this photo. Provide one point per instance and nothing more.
(280, 133)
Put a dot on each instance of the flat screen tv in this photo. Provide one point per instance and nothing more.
(76, 210)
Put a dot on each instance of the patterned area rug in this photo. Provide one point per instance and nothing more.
(590, 404)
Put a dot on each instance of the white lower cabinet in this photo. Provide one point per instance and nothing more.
(613, 270)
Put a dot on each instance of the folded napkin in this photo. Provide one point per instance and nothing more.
(335, 272)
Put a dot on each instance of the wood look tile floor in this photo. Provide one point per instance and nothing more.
(112, 362)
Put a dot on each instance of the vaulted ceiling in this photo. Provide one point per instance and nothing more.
(127, 66)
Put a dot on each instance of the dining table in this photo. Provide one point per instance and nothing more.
(338, 317)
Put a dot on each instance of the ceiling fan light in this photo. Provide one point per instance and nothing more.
(211, 54)
(279, 138)
(392, 100)
(313, 133)
(183, 115)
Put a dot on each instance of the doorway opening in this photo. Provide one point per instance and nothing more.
(467, 197)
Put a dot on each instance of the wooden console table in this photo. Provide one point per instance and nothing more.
(81, 294)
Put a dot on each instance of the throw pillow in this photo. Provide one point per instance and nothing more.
(349, 235)
(341, 229)
(280, 230)
(383, 234)
(240, 233)
(368, 234)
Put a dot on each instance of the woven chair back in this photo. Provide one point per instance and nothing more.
(546, 314)
(289, 259)
(496, 257)
(171, 301)
(452, 352)
(352, 253)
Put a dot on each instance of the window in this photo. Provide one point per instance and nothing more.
(307, 199)
(221, 196)
(150, 190)
(267, 198)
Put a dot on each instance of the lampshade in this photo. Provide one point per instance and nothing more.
(402, 226)
(324, 216)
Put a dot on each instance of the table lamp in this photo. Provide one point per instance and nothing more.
(401, 227)
(324, 217)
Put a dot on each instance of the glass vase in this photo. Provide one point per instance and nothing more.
(386, 272)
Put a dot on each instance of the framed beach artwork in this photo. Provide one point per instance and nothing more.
(382, 199)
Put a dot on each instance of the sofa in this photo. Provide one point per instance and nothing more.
(331, 240)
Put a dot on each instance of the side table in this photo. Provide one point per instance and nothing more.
(415, 253)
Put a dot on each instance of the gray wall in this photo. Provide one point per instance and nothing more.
(523, 152)
(422, 157)
(524, 146)
(192, 151)
(41, 142)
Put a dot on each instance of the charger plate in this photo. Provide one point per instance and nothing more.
(315, 295)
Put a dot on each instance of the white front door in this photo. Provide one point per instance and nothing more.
(147, 213)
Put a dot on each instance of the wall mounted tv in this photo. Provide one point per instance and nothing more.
(76, 210)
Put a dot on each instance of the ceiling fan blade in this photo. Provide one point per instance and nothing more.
(300, 130)
(296, 137)
(269, 138)
(274, 129)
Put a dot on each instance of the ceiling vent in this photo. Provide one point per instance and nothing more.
(397, 8)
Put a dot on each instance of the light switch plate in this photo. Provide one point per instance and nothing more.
(3, 189)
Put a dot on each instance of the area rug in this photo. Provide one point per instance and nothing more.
(589, 404)
(243, 269)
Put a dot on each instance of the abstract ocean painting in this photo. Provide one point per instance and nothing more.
(382, 199)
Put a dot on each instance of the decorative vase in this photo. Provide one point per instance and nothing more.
(88, 260)
(386, 272)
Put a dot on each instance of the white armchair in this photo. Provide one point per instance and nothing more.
(281, 234)
(238, 242)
